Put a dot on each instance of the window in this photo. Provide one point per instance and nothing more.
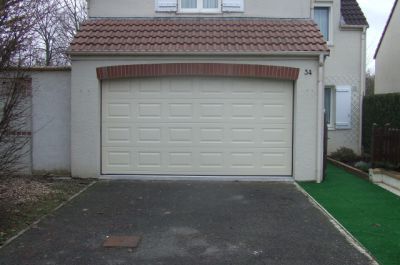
(322, 18)
(200, 6)
(189, 4)
(329, 105)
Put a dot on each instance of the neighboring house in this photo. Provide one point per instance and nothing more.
(387, 55)
(215, 87)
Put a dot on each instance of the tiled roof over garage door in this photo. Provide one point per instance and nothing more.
(198, 36)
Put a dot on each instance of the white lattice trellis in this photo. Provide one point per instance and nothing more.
(348, 138)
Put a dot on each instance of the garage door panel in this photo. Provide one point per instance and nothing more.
(212, 135)
(118, 135)
(118, 110)
(164, 110)
(276, 160)
(117, 160)
(118, 89)
(148, 135)
(181, 110)
(201, 161)
(197, 135)
(149, 159)
(213, 88)
(198, 126)
(198, 88)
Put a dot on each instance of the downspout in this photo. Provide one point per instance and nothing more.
(88, 8)
(320, 118)
(362, 83)
(312, 9)
(320, 110)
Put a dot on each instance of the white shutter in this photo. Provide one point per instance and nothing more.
(343, 107)
(232, 5)
(166, 5)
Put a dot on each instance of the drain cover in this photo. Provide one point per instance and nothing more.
(122, 242)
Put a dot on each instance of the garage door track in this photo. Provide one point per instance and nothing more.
(187, 223)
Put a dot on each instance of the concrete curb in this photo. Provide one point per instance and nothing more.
(47, 215)
(349, 237)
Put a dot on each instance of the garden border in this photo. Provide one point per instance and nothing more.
(350, 169)
(29, 227)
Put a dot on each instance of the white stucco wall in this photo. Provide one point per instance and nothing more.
(345, 66)
(51, 121)
(387, 65)
(252, 8)
(86, 109)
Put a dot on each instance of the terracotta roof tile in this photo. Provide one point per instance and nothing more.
(198, 35)
(352, 13)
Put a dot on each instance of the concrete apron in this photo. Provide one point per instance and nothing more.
(287, 179)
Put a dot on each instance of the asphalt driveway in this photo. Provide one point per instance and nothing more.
(185, 223)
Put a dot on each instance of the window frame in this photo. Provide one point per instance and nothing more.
(331, 124)
(200, 9)
(330, 20)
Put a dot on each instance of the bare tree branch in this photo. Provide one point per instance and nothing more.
(15, 31)
(32, 32)
(57, 23)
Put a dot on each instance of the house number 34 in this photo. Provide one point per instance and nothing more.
(308, 72)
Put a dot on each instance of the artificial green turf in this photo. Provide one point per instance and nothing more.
(367, 211)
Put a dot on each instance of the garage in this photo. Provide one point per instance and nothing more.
(201, 126)
(208, 97)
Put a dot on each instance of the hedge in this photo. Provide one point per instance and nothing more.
(381, 110)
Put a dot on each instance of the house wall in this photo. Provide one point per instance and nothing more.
(253, 8)
(86, 108)
(345, 66)
(387, 65)
(51, 121)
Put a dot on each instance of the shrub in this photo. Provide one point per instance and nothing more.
(345, 155)
(387, 165)
(381, 110)
(363, 166)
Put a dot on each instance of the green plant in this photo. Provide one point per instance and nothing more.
(387, 165)
(345, 155)
(363, 166)
(380, 110)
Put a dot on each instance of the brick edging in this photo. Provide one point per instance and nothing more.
(198, 69)
(349, 169)
(21, 133)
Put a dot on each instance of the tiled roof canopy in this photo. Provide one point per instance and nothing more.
(352, 13)
(197, 35)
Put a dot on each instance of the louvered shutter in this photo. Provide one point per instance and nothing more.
(232, 5)
(166, 5)
(343, 107)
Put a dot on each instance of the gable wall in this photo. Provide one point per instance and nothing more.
(387, 78)
(253, 8)
(345, 66)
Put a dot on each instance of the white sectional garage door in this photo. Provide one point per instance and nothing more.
(197, 126)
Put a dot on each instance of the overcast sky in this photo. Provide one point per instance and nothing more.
(377, 12)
